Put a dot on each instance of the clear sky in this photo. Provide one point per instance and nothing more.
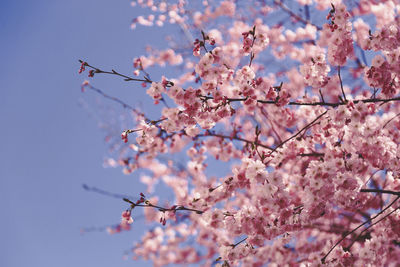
(50, 145)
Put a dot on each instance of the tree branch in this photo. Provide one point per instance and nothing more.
(358, 236)
(209, 133)
(341, 85)
(299, 132)
(174, 208)
(104, 192)
(355, 229)
(320, 103)
(381, 191)
(113, 72)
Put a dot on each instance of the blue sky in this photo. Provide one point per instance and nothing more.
(50, 145)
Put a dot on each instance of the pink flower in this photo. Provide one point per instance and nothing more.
(155, 90)
(124, 136)
(126, 217)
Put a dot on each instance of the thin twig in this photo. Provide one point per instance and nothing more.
(341, 85)
(355, 229)
(113, 72)
(209, 133)
(398, 114)
(299, 132)
(358, 236)
(381, 191)
(104, 192)
(314, 154)
(174, 208)
(238, 243)
(322, 97)
(294, 103)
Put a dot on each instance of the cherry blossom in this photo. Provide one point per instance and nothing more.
(277, 137)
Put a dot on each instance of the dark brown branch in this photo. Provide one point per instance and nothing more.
(226, 264)
(314, 154)
(299, 132)
(292, 103)
(358, 236)
(355, 229)
(323, 103)
(238, 243)
(322, 97)
(341, 85)
(162, 209)
(398, 114)
(113, 72)
(203, 44)
(209, 133)
(381, 191)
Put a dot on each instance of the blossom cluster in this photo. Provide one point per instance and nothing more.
(340, 42)
(316, 72)
(301, 124)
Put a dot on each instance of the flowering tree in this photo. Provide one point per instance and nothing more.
(301, 100)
